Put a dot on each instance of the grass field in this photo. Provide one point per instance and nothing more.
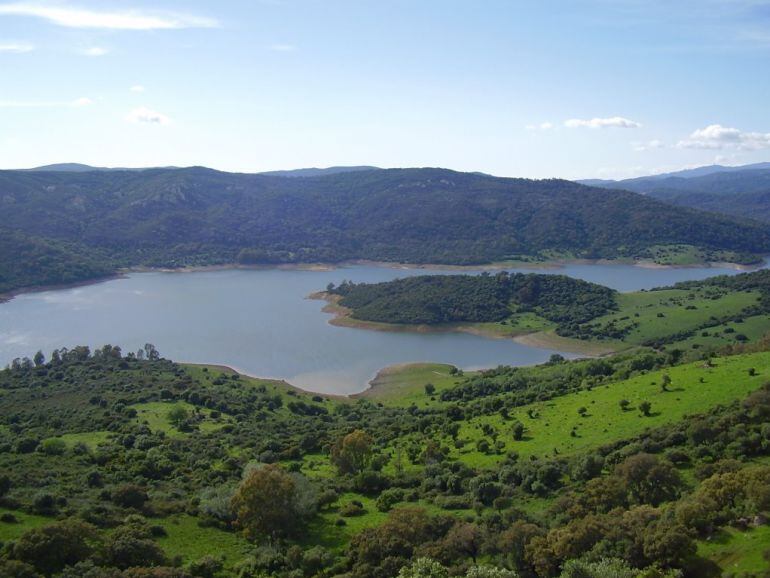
(24, 522)
(656, 314)
(155, 415)
(404, 385)
(738, 552)
(550, 430)
(186, 539)
(91, 439)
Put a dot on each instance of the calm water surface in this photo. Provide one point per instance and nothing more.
(260, 322)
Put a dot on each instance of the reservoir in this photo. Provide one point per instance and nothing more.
(260, 322)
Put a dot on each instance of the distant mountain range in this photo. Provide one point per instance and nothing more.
(743, 191)
(102, 220)
(309, 172)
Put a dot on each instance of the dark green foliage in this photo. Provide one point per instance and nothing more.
(433, 299)
(623, 500)
(93, 222)
(51, 548)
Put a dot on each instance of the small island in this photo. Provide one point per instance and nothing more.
(556, 311)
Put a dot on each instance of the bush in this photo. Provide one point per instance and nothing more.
(53, 447)
(130, 496)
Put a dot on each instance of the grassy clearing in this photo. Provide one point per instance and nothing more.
(687, 255)
(91, 439)
(404, 385)
(656, 314)
(753, 328)
(155, 415)
(189, 541)
(738, 552)
(207, 373)
(550, 424)
(11, 530)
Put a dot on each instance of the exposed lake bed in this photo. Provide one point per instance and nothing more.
(260, 321)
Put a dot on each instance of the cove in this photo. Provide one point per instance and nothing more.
(260, 322)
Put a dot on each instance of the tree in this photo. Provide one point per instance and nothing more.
(430, 389)
(517, 429)
(132, 545)
(648, 479)
(668, 543)
(665, 382)
(464, 539)
(645, 407)
(51, 548)
(604, 568)
(424, 568)
(353, 452)
(271, 502)
(151, 352)
(39, 359)
(582, 411)
(16, 569)
(5, 485)
(177, 415)
(130, 496)
(489, 572)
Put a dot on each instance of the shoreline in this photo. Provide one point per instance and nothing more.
(493, 266)
(341, 317)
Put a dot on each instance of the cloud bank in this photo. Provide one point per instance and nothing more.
(72, 17)
(716, 136)
(144, 115)
(609, 122)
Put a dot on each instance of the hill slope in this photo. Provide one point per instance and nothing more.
(740, 191)
(176, 217)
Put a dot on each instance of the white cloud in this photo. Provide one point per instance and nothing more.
(94, 51)
(610, 122)
(77, 103)
(283, 48)
(82, 101)
(716, 136)
(72, 17)
(137, 88)
(648, 146)
(541, 126)
(16, 47)
(144, 115)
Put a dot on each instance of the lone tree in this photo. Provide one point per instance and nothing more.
(645, 408)
(353, 452)
(430, 389)
(177, 415)
(517, 429)
(624, 403)
(665, 382)
(272, 502)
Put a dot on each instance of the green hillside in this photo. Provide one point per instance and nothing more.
(198, 216)
(136, 463)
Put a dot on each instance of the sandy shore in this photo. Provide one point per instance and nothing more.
(540, 339)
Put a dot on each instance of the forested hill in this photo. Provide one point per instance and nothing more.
(432, 299)
(176, 217)
(739, 192)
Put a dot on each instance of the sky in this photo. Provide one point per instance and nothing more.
(546, 88)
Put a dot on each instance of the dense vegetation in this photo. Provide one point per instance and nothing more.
(742, 193)
(713, 312)
(29, 261)
(433, 299)
(196, 216)
(126, 466)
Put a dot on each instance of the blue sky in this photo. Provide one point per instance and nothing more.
(570, 88)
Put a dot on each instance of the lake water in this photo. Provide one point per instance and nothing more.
(260, 322)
